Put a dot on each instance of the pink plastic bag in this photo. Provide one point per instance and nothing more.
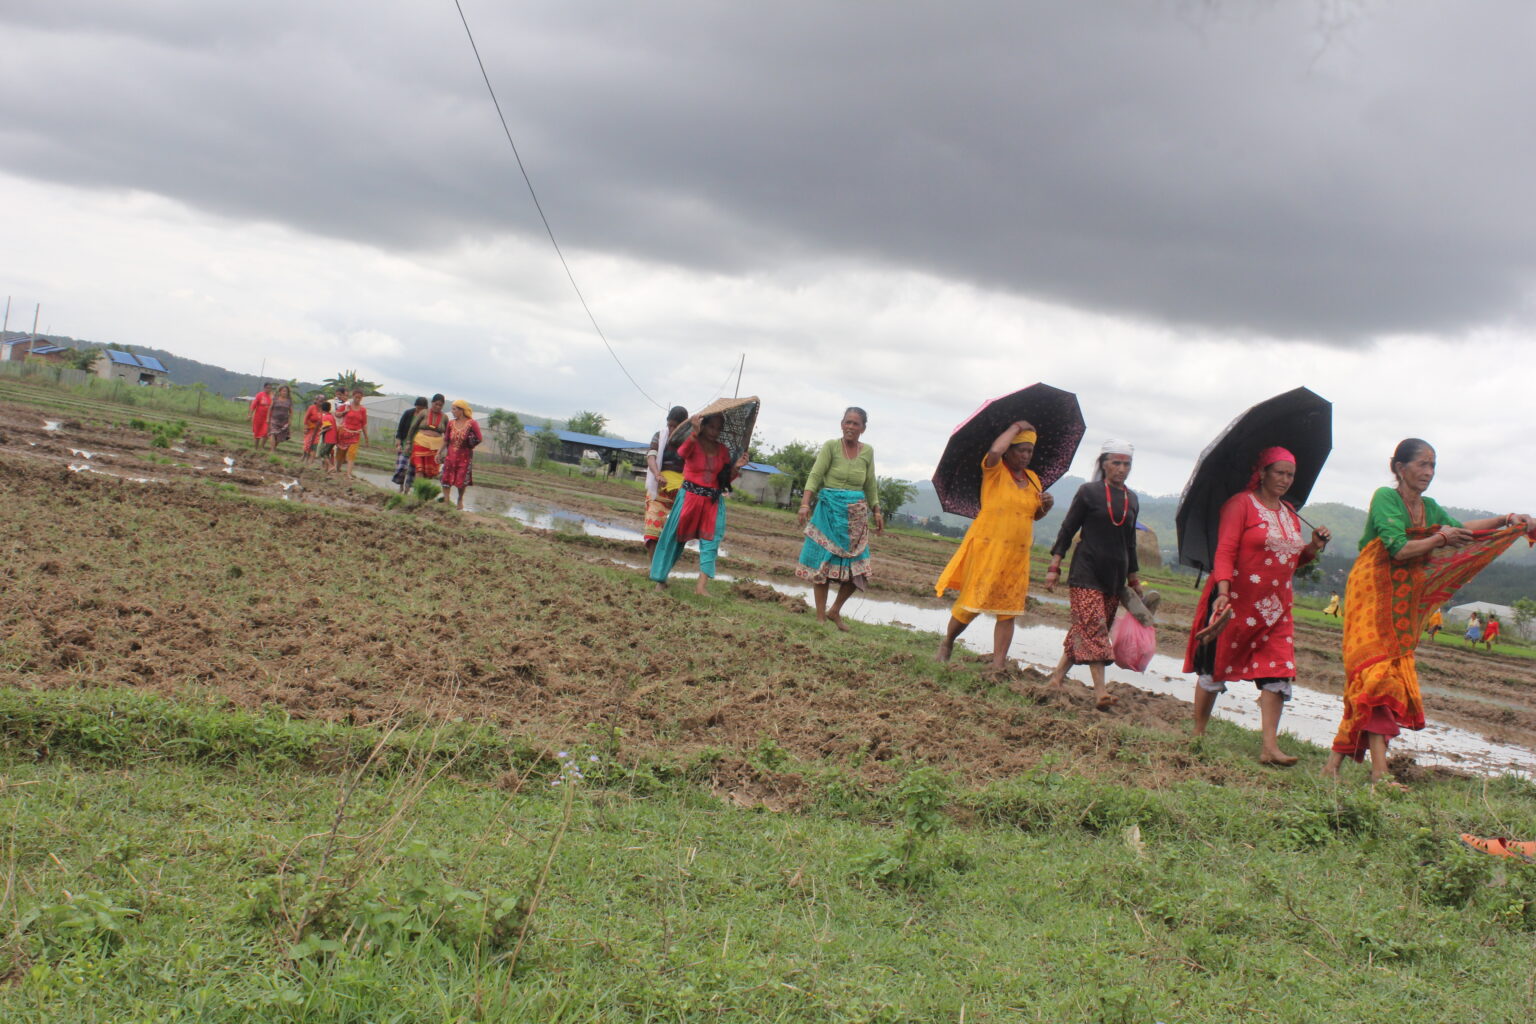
(1134, 643)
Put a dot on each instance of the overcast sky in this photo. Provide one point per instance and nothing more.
(1174, 209)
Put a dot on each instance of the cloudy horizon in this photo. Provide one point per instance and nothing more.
(1175, 209)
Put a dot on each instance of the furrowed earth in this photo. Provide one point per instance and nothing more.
(280, 746)
(153, 568)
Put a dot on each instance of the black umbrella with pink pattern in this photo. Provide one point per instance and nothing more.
(1057, 420)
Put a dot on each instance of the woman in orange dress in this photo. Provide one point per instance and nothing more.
(990, 570)
(1413, 556)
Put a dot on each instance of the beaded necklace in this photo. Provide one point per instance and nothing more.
(1109, 504)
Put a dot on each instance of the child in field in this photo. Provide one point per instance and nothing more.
(327, 437)
(1490, 633)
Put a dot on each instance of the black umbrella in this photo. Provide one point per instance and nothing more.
(1299, 420)
(1057, 420)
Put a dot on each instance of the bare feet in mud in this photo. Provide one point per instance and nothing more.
(1105, 702)
(1278, 758)
(946, 648)
(699, 587)
(837, 620)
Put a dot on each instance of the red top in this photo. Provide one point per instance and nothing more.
(327, 428)
(352, 424)
(1257, 552)
(700, 467)
(311, 418)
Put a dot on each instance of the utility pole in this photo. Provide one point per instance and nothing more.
(35, 312)
(743, 366)
(7, 322)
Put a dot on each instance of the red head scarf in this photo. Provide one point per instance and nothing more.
(1267, 458)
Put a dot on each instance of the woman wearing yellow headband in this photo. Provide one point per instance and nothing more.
(458, 451)
(991, 568)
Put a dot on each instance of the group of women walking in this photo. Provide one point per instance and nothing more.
(1413, 556)
(437, 445)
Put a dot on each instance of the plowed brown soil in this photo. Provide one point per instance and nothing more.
(330, 607)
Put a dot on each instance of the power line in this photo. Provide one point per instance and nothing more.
(540, 207)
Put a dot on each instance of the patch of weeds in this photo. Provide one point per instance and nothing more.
(1048, 801)
(426, 490)
(1314, 821)
(211, 441)
(916, 859)
(84, 920)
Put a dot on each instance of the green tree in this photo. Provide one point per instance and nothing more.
(795, 459)
(349, 379)
(895, 493)
(507, 431)
(1525, 613)
(587, 422)
(82, 358)
(546, 442)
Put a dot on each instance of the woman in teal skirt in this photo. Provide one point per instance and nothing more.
(844, 494)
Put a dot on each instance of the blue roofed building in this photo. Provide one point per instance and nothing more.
(143, 371)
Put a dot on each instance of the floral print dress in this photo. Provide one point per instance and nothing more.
(1258, 551)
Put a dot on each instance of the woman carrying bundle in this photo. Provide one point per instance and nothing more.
(696, 515)
(990, 570)
(1104, 510)
(1243, 628)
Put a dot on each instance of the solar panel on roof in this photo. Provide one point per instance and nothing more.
(151, 363)
(121, 357)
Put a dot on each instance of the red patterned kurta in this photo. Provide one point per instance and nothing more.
(1257, 551)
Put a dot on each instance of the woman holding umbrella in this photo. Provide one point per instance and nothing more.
(991, 568)
(1413, 556)
(1104, 510)
(843, 491)
(1243, 628)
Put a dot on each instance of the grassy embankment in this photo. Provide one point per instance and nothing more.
(193, 829)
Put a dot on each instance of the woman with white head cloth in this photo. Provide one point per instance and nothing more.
(1104, 511)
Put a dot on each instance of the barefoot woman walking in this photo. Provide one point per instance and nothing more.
(990, 569)
(844, 493)
(1259, 547)
(1104, 510)
(1413, 556)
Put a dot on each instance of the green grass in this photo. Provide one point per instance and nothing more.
(229, 879)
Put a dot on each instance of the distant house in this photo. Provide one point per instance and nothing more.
(768, 485)
(33, 348)
(146, 371)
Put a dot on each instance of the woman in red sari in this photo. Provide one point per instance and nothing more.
(458, 451)
(1259, 547)
(1413, 556)
(261, 410)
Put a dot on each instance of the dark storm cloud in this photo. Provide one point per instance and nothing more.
(1223, 166)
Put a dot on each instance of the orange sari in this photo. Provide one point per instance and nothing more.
(1385, 605)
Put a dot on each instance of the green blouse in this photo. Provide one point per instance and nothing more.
(834, 470)
(1389, 520)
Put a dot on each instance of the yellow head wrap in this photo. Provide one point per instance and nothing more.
(459, 403)
(1023, 437)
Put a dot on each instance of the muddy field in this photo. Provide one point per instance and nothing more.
(150, 567)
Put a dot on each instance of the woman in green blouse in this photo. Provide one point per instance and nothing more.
(843, 492)
(1413, 556)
